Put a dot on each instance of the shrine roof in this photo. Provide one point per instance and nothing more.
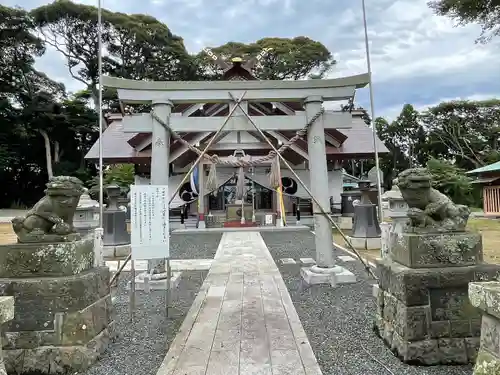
(359, 142)
(355, 142)
(490, 168)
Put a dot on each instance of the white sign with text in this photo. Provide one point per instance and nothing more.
(149, 222)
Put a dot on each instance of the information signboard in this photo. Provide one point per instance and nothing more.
(149, 236)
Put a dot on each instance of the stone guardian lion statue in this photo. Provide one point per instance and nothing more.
(51, 218)
(430, 210)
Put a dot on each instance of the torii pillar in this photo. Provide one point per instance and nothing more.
(160, 155)
(325, 271)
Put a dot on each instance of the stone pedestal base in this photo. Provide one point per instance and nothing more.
(424, 315)
(6, 314)
(118, 251)
(436, 249)
(143, 282)
(333, 276)
(486, 297)
(345, 222)
(61, 324)
(366, 243)
(46, 259)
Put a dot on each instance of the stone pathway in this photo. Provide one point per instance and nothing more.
(243, 321)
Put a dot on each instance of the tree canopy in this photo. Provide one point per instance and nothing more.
(284, 58)
(486, 13)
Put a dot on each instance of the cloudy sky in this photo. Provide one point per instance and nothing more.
(417, 57)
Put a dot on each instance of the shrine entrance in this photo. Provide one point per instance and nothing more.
(257, 195)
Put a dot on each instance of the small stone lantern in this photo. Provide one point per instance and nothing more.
(116, 238)
(86, 217)
(398, 209)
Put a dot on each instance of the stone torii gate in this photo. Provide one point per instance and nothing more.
(163, 95)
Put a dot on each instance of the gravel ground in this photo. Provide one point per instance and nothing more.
(338, 321)
(140, 346)
(194, 246)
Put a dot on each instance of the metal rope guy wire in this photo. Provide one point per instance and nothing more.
(367, 267)
(186, 176)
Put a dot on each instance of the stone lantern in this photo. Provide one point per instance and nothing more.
(366, 229)
(397, 212)
(116, 238)
(86, 215)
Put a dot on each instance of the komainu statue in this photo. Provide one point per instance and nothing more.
(51, 218)
(428, 209)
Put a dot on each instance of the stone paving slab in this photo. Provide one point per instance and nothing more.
(243, 320)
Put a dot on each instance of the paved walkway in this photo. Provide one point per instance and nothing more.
(243, 321)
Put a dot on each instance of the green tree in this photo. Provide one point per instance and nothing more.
(405, 138)
(18, 49)
(280, 58)
(119, 174)
(42, 132)
(451, 180)
(466, 132)
(483, 12)
(139, 46)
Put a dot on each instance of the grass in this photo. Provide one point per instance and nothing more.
(6, 234)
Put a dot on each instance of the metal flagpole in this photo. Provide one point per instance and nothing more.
(99, 232)
(372, 110)
(101, 125)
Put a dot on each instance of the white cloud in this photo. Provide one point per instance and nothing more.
(417, 57)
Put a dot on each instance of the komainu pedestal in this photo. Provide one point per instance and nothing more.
(486, 297)
(63, 317)
(423, 310)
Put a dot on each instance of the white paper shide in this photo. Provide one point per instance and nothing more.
(149, 221)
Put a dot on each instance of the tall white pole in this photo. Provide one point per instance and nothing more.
(372, 110)
(101, 124)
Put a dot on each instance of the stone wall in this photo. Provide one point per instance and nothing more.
(486, 297)
(423, 310)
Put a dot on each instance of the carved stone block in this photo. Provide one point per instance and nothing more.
(46, 259)
(486, 297)
(436, 249)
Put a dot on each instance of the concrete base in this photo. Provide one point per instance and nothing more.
(307, 261)
(142, 280)
(345, 222)
(333, 276)
(118, 251)
(366, 243)
(201, 224)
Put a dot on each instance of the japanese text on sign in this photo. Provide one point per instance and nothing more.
(149, 221)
